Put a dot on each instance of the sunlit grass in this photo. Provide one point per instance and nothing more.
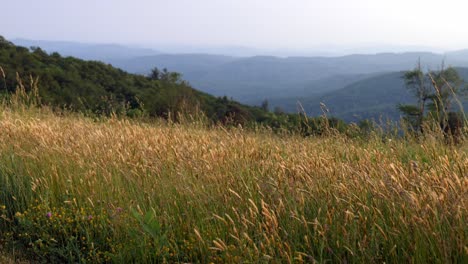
(76, 189)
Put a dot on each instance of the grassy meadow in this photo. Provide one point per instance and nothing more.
(77, 189)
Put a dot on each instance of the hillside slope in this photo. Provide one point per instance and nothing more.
(375, 97)
(91, 86)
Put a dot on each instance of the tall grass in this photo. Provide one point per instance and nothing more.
(74, 189)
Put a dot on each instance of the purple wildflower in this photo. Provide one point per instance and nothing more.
(119, 209)
(49, 214)
(90, 217)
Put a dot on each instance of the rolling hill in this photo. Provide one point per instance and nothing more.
(375, 98)
(253, 79)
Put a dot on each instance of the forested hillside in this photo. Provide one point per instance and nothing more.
(95, 87)
(99, 89)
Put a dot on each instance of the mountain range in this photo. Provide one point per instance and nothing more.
(353, 86)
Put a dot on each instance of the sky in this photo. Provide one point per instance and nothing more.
(263, 24)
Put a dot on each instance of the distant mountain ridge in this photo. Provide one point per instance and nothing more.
(87, 51)
(187, 64)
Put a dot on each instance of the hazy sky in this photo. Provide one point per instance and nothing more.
(255, 23)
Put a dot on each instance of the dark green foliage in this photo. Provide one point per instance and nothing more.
(412, 115)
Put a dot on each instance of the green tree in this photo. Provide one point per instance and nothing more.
(434, 91)
(155, 74)
(417, 82)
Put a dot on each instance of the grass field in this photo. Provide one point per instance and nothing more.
(73, 189)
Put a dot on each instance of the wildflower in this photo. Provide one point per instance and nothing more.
(90, 217)
(119, 209)
(49, 214)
